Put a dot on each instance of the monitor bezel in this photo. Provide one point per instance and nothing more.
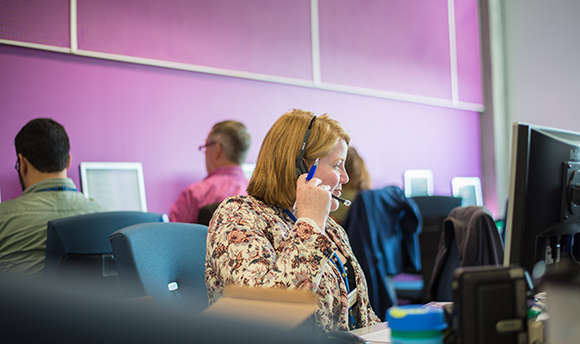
(458, 182)
(408, 177)
(518, 183)
(86, 166)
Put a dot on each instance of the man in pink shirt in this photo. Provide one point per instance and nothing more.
(225, 150)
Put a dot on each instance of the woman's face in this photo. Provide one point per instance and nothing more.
(331, 170)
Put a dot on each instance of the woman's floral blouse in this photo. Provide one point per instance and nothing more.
(250, 243)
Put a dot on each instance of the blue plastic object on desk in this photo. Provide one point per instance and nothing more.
(416, 324)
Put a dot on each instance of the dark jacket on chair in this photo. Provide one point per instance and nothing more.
(469, 238)
(383, 227)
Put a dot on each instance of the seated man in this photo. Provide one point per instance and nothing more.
(43, 158)
(225, 150)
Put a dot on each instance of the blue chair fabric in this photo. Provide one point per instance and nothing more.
(80, 244)
(163, 260)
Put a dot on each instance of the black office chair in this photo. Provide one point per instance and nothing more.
(434, 210)
(469, 238)
(206, 213)
(163, 260)
(78, 246)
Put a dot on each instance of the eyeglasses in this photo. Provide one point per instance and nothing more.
(17, 164)
(203, 147)
(300, 164)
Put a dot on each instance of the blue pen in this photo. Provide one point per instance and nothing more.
(312, 170)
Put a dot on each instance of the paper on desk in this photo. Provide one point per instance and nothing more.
(380, 336)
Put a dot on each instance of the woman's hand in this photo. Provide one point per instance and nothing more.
(313, 200)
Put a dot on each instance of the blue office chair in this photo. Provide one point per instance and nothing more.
(79, 247)
(163, 260)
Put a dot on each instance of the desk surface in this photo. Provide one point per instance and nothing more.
(379, 333)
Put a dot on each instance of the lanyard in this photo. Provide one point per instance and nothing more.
(341, 270)
(334, 258)
(57, 188)
(290, 215)
(339, 266)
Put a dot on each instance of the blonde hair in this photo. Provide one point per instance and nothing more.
(359, 178)
(274, 179)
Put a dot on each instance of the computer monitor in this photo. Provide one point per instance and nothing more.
(115, 185)
(468, 189)
(543, 192)
(418, 183)
(248, 169)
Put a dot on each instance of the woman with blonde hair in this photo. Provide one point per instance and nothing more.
(281, 235)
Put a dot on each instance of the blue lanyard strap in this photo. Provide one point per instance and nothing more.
(57, 188)
(334, 258)
(339, 266)
(290, 215)
(342, 270)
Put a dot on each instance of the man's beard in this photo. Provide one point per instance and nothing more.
(21, 181)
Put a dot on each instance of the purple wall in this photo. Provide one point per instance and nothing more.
(122, 112)
(399, 45)
(260, 36)
(36, 21)
(468, 51)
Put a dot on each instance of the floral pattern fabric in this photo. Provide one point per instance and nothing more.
(250, 243)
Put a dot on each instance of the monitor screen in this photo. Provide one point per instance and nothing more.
(115, 185)
(248, 169)
(418, 183)
(468, 189)
(542, 162)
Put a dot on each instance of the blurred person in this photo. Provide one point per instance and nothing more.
(359, 179)
(43, 158)
(280, 235)
(225, 150)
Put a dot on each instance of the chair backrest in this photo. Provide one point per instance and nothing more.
(444, 291)
(469, 238)
(434, 210)
(80, 244)
(436, 206)
(206, 213)
(163, 260)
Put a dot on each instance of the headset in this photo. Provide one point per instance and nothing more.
(301, 167)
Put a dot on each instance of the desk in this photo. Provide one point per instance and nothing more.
(381, 333)
(378, 333)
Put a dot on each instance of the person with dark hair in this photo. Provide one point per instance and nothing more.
(225, 150)
(43, 158)
(359, 179)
